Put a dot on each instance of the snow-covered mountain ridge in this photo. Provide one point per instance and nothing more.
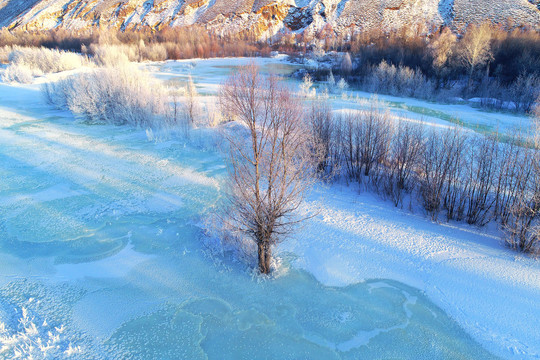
(263, 16)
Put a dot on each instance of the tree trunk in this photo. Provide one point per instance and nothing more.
(470, 83)
(265, 255)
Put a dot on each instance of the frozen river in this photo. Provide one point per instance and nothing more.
(101, 258)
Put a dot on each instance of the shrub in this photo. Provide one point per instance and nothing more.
(113, 54)
(20, 74)
(523, 229)
(26, 63)
(46, 60)
(121, 95)
(365, 141)
(4, 54)
(404, 157)
(400, 81)
(524, 91)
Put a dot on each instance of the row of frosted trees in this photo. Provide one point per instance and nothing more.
(450, 172)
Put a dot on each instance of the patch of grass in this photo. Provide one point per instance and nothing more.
(424, 111)
(479, 128)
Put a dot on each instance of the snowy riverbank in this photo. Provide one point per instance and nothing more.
(491, 291)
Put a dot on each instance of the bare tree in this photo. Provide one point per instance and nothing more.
(480, 179)
(272, 169)
(192, 108)
(525, 92)
(523, 225)
(351, 135)
(439, 177)
(475, 49)
(322, 132)
(404, 160)
(454, 193)
(513, 175)
(366, 137)
(376, 133)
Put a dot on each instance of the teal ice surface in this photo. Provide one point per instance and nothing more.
(208, 73)
(99, 246)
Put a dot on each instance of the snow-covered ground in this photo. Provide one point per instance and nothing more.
(101, 255)
(492, 292)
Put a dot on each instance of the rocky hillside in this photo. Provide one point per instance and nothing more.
(262, 16)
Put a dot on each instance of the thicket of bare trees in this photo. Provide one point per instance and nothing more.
(441, 164)
(272, 165)
(322, 132)
(145, 43)
(523, 219)
(500, 64)
(366, 136)
(404, 155)
(450, 172)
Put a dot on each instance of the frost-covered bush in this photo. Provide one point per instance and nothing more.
(342, 85)
(122, 95)
(306, 87)
(108, 55)
(46, 60)
(26, 63)
(4, 53)
(20, 74)
(400, 81)
(192, 108)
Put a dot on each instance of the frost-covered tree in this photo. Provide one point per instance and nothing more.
(271, 169)
(318, 50)
(475, 48)
(346, 64)
(331, 81)
(306, 86)
(441, 49)
(342, 85)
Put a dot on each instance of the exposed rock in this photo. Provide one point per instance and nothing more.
(264, 17)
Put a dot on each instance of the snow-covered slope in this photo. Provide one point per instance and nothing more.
(262, 15)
